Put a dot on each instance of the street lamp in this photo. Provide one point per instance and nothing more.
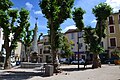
(78, 50)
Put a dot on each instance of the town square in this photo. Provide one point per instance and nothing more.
(60, 39)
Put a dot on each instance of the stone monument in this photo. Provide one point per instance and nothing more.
(34, 47)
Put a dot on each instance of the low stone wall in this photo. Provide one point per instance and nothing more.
(31, 65)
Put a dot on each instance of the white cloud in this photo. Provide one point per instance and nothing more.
(115, 4)
(38, 12)
(69, 27)
(94, 21)
(29, 5)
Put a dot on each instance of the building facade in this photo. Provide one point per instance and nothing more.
(74, 35)
(44, 51)
(109, 43)
(113, 32)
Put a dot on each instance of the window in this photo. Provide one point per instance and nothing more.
(72, 35)
(110, 20)
(119, 19)
(80, 45)
(111, 28)
(112, 42)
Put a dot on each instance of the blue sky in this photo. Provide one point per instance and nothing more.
(87, 5)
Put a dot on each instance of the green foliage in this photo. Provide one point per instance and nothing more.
(101, 12)
(5, 5)
(66, 47)
(56, 11)
(92, 36)
(13, 23)
(78, 18)
(26, 34)
(58, 39)
(14, 15)
(23, 25)
(116, 52)
(91, 39)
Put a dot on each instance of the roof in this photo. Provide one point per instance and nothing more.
(116, 12)
(71, 31)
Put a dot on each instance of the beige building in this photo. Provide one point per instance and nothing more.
(44, 50)
(18, 53)
(113, 32)
(74, 35)
(111, 42)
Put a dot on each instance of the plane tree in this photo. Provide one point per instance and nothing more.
(56, 11)
(13, 23)
(101, 12)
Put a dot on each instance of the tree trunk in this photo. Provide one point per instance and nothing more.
(7, 64)
(26, 54)
(96, 61)
(55, 60)
(54, 51)
(52, 41)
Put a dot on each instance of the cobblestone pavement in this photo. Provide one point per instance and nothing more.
(70, 72)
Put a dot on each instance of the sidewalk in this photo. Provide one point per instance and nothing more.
(107, 72)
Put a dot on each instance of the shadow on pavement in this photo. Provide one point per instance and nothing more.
(14, 75)
(76, 69)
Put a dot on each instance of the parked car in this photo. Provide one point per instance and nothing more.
(81, 61)
(111, 61)
(64, 60)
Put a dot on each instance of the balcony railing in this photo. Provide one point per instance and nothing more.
(111, 22)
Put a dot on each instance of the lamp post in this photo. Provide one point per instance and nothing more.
(78, 50)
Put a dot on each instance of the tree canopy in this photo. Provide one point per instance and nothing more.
(101, 12)
(78, 18)
(13, 22)
(56, 11)
(66, 47)
(91, 39)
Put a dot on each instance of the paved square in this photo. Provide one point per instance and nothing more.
(70, 72)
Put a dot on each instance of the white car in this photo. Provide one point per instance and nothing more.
(81, 61)
(63, 60)
(13, 63)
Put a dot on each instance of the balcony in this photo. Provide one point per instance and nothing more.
(111, 22)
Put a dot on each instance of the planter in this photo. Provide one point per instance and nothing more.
(117, 62)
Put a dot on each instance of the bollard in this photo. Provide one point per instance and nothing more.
(49, 70)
